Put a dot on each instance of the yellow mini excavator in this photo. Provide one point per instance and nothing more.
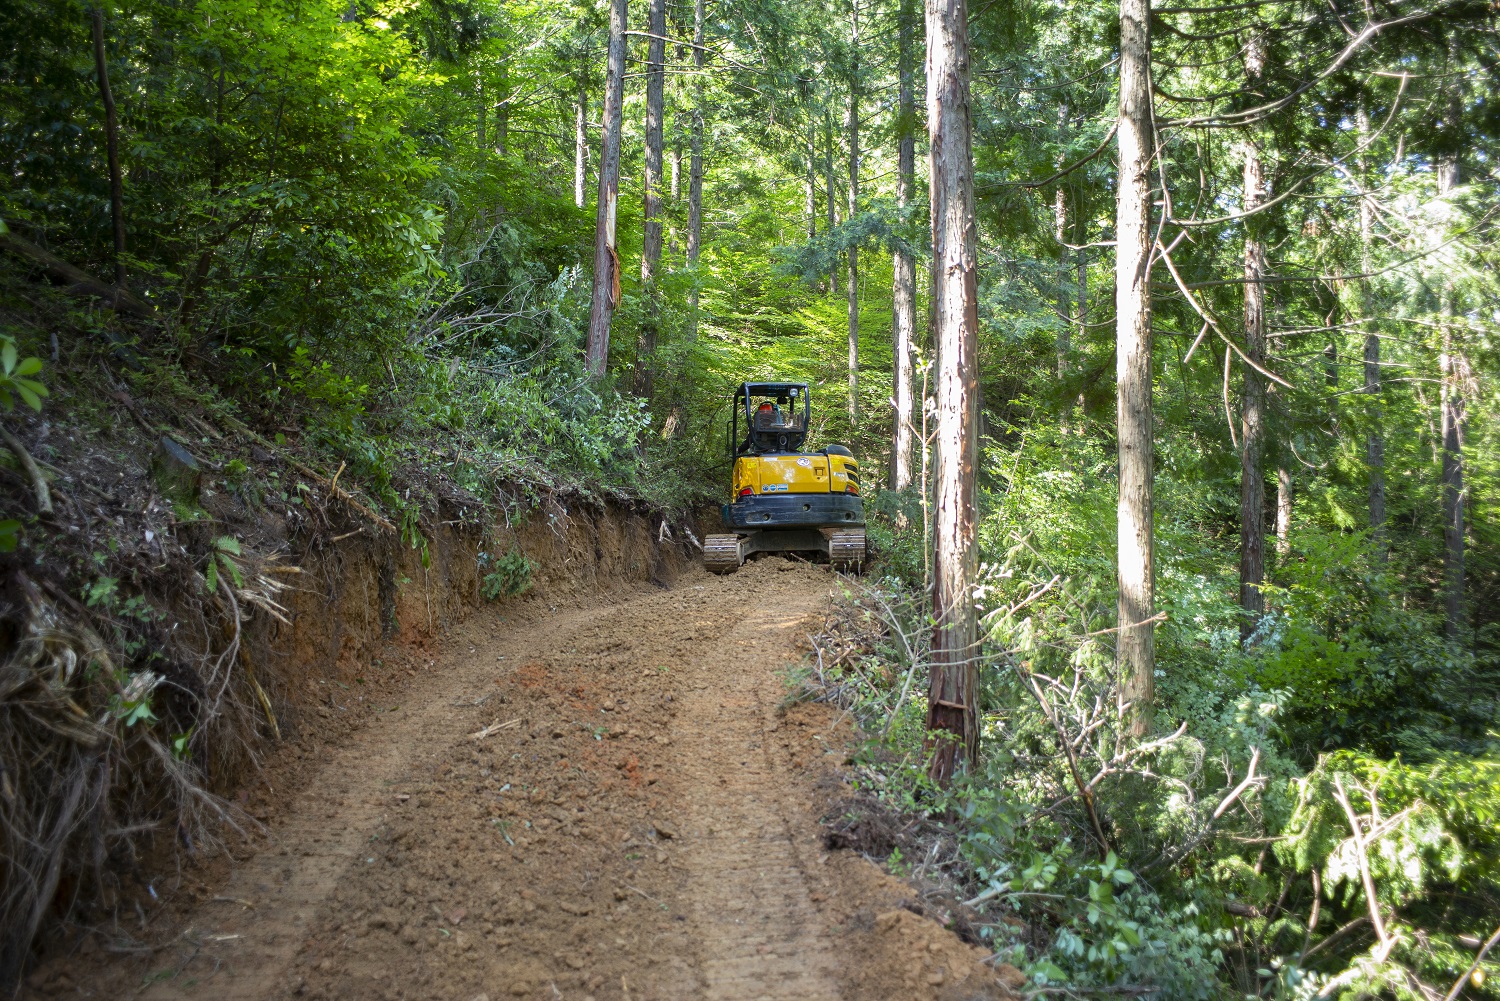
(782, 498)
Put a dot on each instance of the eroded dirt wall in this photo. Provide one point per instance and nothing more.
(367, 613)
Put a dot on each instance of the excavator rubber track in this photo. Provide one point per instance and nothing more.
(846, 549)
(721, 553)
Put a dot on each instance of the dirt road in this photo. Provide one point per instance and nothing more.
(605, 802)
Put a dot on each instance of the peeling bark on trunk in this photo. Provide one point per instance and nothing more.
(656, 79)
(904, 271)
(1136, 643)
(953, 694)
(1253, 397)
(606, 295)
(111, 148)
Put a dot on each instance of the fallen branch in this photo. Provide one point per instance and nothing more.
(76, 280)
(494, 727)
(38, 481)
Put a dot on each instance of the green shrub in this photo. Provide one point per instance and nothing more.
(510, 577)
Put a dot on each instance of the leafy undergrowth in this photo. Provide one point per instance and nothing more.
(1227, 855)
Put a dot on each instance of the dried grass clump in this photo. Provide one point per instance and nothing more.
(84, 777)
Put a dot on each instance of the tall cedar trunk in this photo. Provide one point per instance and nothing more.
(1253, 398)
(1081, 263)
(656, 78)
(853, 287)
(502, 111)
(833, 274)
(953, 694)
(606, 260)
(481, 139)
(1064, 313)
(1136, 643)
(678, 102)
(904, 270)
(1375, 441)
(810, 196)
(111, 148)
(580, 148)
(1452, 365)
(1081, 282)
(1283, 510)
(695, 171)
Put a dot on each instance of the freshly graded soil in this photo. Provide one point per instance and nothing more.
(606, 801)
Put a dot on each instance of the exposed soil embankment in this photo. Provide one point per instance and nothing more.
(586, 794)
(370, 614)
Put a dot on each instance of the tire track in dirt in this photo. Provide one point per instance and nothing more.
(256, 924)
(645, 830)
(759, 934)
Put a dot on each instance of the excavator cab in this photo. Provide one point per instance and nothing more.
(776, 415)
(784, 498)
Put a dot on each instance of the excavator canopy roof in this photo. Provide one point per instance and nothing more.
(773, 388)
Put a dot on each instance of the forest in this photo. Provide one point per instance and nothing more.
(1165, 335)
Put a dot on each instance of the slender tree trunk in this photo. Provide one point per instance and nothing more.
(606, 259)
(1081, 264)
(1453, 370)
(853, 251)
(656, 62)
(904, 270)
(1063, 340)
(676, 169)
(1081, 281)
(1375, 441)
(1283, 510)
(810, 196)
(479, 96)
(502, 112)
(953, 695)
(833, 274)
(853, 288)
(1253, 400)
(111, 147)
(580, 149)
(1136, 643)
(695, 172)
